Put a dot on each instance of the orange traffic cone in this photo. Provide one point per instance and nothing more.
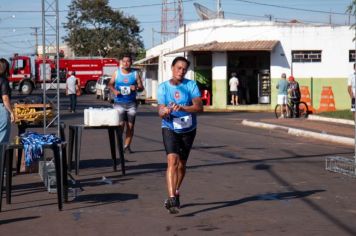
(327, 101)
(305, 97)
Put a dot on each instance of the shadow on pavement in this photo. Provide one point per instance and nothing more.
(14, 220)
(105, 197)
(261, 197)
(102, 199)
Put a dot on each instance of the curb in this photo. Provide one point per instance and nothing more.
(333, 120)
(302, 133)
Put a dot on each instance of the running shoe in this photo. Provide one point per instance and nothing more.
(127, 149)
(178, 201)
(171, 205)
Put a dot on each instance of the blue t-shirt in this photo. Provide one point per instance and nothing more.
(282, 87)
(182, 94)
(122, 84)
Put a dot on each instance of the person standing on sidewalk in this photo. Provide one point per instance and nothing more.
(178, 102)
(72, 87)
(124, 84)
(6, 113)
(234, 83)
(282, 97)
(294, 93)
(351, 89)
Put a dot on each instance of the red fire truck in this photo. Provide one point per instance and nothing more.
(27, 72)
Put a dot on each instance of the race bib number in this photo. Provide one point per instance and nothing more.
(183, 122)
(125, 90)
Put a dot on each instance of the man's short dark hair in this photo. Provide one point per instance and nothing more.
(181, 59)
(126, 55)
(233, 74)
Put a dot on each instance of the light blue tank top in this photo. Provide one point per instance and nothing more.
(122, 84)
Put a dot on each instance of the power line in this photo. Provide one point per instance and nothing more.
(115, 8)
(11, 45)
(276, 18)
(292, 8)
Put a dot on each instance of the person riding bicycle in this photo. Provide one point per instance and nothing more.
(294, 94)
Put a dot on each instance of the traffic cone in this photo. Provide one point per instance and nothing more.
(305, 97)
(327, 100)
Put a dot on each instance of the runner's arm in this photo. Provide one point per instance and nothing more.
(196, 107)
(139, 87)
(163, 111)
(111, 84)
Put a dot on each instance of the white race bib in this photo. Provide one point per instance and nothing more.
(125, 90)
(182, 122)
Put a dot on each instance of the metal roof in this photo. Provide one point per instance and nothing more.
(257, 45)
(152, 60)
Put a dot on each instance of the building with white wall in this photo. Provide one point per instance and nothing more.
(316, 55)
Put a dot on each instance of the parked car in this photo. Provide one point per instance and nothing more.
(102, 90)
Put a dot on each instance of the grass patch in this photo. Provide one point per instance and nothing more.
(342, 114)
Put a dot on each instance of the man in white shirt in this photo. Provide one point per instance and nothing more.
(72, 87)
(351, 90)
(234, 83)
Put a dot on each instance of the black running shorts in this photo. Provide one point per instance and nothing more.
(179, 143)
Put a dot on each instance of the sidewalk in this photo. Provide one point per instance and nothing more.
(333, 130)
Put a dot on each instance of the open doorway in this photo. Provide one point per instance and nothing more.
(203, 73)
(247, 65)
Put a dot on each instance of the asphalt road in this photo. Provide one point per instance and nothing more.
(240, 181)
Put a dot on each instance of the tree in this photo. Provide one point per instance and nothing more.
(351, 9)
(95, 29)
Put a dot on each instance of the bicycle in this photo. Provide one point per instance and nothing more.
(291, 110)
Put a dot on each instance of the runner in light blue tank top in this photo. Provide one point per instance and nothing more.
(123, 84)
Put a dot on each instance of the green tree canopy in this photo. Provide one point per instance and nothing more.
(95, 29)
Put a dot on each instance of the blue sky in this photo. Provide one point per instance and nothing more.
(18, 17)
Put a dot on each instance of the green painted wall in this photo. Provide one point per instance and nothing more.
(219, 93)
(339, 87)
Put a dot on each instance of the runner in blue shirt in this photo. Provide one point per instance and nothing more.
(178, 102)
(124, 83)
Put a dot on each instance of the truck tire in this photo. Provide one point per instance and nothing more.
(90, 87)
(26, 88)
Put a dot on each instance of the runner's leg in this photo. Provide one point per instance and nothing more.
(172, 173)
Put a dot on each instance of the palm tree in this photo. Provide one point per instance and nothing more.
(351, 9)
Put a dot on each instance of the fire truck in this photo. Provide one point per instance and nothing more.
(26, 73)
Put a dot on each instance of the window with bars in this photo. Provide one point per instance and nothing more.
(351, 55)
(306, 56)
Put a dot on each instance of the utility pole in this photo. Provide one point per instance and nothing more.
(218, 8)
(36, 39)
(269, 16)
